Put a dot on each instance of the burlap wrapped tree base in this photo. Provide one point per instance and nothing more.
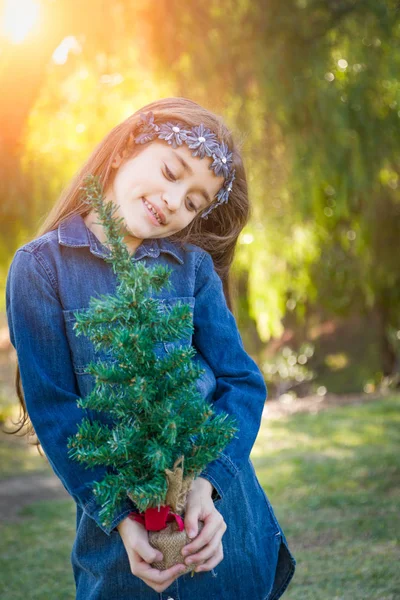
(170, 542)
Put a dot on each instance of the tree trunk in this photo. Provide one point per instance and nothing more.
(388, 355)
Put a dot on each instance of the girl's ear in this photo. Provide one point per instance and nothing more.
(117, 161)
(120, 157)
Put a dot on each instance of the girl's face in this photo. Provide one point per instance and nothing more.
(176, 184)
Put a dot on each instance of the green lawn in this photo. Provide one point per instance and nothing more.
(35, 554)
(17, 457)
(333, 480)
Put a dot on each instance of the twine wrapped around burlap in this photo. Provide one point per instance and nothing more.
(170, 540)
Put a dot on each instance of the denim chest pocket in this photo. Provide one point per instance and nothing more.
(206, 383)
(83, 351)
(165, 304)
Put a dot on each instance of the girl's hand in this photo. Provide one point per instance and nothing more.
(201, 507)
(141, 554)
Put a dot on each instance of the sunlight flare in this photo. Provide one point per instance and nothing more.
(19, 18)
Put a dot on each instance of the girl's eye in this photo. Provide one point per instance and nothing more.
(192, 205)
(171, 176)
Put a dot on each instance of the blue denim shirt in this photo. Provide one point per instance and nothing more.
(50, 279)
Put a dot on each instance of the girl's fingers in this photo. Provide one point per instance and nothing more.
(160, 586)
(145, 571)
(211, 562)
(212, 525)
(147, 553)
(141, 555)
(207, 551)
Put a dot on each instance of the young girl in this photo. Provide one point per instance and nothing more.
(178, 180)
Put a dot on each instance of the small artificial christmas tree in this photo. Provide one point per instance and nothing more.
(163, 432)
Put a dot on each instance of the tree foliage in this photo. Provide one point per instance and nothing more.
(311, 90)
(156, 411)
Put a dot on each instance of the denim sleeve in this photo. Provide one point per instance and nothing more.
(240, 387)
(37, 333)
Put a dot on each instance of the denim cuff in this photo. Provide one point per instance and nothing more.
(92, 509)
(220, 472)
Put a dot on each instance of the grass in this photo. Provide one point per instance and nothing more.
(333, 480)
(35, 553)
(17, 457)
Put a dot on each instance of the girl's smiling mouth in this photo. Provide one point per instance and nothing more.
(153, 215)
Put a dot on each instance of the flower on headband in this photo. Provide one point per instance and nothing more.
(205, 214)
(145, 137)
(222, 195)
(202, 140)
(173, 133)
(147, 128)
(224, 192)
(230, 181)
(222, 160)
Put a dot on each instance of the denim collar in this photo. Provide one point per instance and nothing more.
(74, 233)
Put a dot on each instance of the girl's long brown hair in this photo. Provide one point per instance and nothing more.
(218, 234)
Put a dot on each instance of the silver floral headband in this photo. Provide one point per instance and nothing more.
(199, 139)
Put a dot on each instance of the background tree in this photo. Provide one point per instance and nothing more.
(310, 87)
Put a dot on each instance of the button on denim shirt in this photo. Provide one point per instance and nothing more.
(49, 280)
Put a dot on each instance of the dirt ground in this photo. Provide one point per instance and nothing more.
(277, 409)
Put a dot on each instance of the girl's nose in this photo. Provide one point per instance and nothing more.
(173, 200)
